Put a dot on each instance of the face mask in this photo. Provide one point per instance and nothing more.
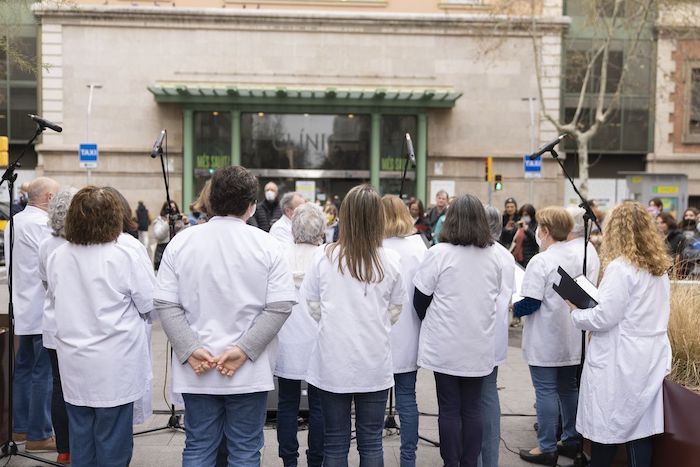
(329, 219)
(270, 195)
(537, 238)
(526, 219)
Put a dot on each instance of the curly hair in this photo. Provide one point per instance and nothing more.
(630, 232)
(58, 210)
(95, 216)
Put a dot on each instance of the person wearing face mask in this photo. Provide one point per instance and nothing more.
(267, 211)
(331, 231)
(551, 344)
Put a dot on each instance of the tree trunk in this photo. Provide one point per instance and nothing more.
(582, 144)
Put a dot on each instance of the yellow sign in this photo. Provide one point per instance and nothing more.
(637, 179)
(4, 148)
(665, 190)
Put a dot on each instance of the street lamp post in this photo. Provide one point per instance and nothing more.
(92, 87)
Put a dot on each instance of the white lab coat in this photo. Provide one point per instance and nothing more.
(503, 302)
(627, 357)
(549, 338)
(31, 229)
(143, 408)
(282, 230)
(457, 336)
(223, 273)
(100, 294)
(353, 349)
(404, 334)
(297, 336)
(48, 323)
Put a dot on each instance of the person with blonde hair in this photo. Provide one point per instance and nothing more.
(400, 236)
(551, 345)
(629, 354)
(354, 290)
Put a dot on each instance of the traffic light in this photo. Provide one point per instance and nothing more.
(488, 166)
(498, 184)
(4, 148)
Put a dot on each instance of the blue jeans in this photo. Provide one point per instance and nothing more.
(369, 424)
(31, 389)
(555, 387)
(491, 418)
(239, 417)
(405, 387)
(287, 423)
(101, 437)
(459, 419)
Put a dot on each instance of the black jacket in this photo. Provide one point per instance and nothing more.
(266, 214)
(142, 217)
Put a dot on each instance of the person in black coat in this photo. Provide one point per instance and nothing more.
(268, 211)
(510, 222)
(525, 245)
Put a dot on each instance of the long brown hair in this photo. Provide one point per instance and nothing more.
(630, 232)
(361, 235)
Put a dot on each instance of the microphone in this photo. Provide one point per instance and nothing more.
(547, 147)
(45, 123)
(409, 148)
(158, 145)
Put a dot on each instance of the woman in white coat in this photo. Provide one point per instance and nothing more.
(628, 355)
(355, 292)
(456, 290)
(101, 290)
(295, 342)
(400, 236)
(58, 209)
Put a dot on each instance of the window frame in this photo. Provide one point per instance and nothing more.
(688, 137)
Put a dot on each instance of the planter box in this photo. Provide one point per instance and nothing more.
(679, 446)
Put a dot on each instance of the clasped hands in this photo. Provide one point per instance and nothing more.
(227, 363)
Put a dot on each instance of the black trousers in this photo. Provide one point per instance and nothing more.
(59, 416)
(638, 453)
(459, 419)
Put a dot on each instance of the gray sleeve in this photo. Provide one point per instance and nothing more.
(183, 339)
(265, 328)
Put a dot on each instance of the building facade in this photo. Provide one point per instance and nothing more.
(677, 138)
(316, 95)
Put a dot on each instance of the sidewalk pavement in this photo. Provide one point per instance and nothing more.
(164, 448)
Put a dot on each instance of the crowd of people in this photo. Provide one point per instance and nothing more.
(349, 299)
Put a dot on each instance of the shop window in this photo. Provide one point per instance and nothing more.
(692, 105)
(212, 145)
(305, 141)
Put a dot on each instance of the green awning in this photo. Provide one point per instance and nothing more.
(329, 96)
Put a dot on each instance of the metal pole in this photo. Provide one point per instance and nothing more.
(92, 87)
(533, 142)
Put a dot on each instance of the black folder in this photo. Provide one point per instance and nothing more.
(570, 290)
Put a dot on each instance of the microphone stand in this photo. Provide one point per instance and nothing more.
(390, 420)
(10, 447)
(588, 217)
(174, 419)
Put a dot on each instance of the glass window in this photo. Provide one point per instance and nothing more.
(393, 140)
(3, 109)
(305, 141)
(694, 104)
(23, 67)
(212, 145)
(23, 102)
(635, 125)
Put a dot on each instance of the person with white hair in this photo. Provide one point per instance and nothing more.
(490, 403)
(31, 404)
(58, 209)
(282, 229)
(575, 241)
(296, 341)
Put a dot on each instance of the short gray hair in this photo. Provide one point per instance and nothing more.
(308, 224)
(495, 222)
(58, 210)
(577, 213)
(286, 201)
